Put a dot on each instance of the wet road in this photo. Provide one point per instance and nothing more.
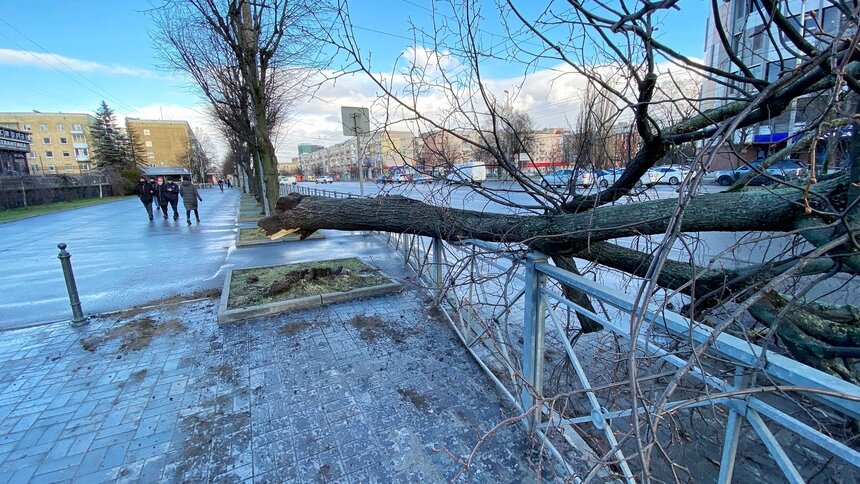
(120, 259)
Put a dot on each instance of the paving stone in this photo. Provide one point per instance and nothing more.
(333, 401)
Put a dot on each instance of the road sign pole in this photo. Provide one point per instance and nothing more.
(358, 155)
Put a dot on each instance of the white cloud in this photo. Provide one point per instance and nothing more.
(44, 60)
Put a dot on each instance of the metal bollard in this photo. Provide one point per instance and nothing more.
(78, 318)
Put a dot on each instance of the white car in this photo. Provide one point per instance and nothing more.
(664, 174)
(324, 179)
(287, 180)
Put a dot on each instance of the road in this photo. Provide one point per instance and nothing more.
(120, 259)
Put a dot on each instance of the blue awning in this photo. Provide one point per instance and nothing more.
(770, 138)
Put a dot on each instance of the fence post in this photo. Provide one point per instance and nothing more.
(534, 319)
(78, 318)
(406, 243)
(437, 261)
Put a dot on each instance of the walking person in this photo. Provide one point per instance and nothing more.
(154, 192)
(144, 190)
(190, 196)
(159, 196)
(221, 184)
(169, 193)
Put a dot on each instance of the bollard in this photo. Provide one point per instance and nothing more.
(78, 318)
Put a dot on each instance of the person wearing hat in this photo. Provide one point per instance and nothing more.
(190, 196)
(144, 190)
(169, 193)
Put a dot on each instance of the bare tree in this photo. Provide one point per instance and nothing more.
(808, 226)
(249, 59)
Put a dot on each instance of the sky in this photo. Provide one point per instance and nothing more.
(67, 56)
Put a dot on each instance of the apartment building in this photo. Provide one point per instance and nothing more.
(380, 151)
(758, 44)
(60, 142)
(166, 143)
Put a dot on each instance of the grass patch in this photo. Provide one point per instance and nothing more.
(36, 210)
(256, 235)
(251, 287)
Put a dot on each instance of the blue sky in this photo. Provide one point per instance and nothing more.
(67, 56)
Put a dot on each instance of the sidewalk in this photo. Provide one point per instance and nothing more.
(374, 390)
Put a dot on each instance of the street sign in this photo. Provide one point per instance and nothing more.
(355, 121)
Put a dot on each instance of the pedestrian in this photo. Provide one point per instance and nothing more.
(154, 192)
(229, 185)
(169, 193)
(190, 196)
(144, 190)
(221, 184)
(162, 201)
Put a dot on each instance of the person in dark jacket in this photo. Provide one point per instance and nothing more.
(169, 193)
(154, 192)
(190, 195)
(145, 191)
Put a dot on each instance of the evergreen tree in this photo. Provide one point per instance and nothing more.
(113, 150)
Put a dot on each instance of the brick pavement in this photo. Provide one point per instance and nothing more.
(373, 390)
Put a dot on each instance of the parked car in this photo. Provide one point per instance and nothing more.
(287, 180)
(558, 178)
(563, 178)
(664, 174)
(608, 177)
(324, 179)
(401, 178)
(422, 178)
(786, 170)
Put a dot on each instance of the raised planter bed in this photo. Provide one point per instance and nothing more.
(249, 236)
(262, 291)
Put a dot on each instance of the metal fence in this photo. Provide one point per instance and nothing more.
(25, 191)
(507, 306)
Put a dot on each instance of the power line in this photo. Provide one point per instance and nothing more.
(103, 92)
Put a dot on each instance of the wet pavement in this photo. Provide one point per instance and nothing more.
(120, 258)
(374, 390)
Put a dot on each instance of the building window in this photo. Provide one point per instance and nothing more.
(77, 127)
(82, 153)
(35, 168)
(64, 141)
(46, 140)
(49, 154)
(84, 166)
(32, 154)
(52, 167)
(148, 144)
(43, 127)
(60, 127)
(150, 154)
(26, 126)
(66, 154)
(146, 132)
(79, 138)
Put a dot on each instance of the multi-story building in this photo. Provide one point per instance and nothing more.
(379, 151)
(61, 142)
(166, 144)
(759, 46)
